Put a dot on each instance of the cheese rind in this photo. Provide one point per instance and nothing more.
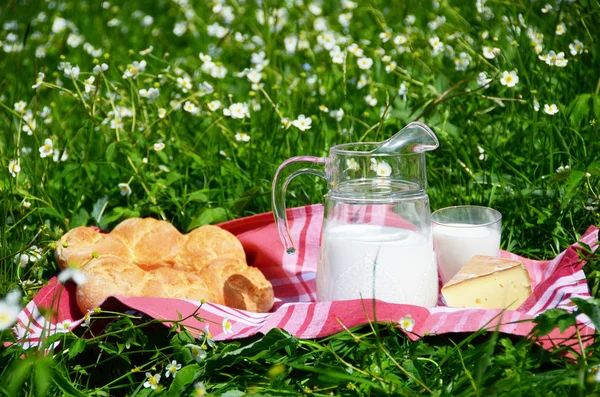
(489, 283)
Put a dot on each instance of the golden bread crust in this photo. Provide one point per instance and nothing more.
(148, 257)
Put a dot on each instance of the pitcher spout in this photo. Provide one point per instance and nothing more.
(416, 137)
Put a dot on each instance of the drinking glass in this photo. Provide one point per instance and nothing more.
(461, 232)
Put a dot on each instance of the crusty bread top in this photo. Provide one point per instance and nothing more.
(148, 257)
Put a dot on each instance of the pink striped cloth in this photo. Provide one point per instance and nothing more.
(554, 283)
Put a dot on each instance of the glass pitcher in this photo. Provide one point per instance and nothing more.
(376, 239)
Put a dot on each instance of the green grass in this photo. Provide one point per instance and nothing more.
(212, 177)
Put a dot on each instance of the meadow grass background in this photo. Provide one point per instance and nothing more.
(148, 136)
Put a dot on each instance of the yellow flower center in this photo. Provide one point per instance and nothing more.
(509, 78)
(152, 380)
(133, 69)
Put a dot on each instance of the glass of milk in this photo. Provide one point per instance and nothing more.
(461, 232)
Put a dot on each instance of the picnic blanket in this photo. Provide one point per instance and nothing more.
(554, 283)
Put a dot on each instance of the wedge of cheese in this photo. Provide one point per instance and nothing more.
(490, 283)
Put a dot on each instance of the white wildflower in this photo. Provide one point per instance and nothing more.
(9, 311)
(576, 47)
(171, 369)
(100, 68)
(390, 67)
(46, 149)
(385, 36)
(180, 28)
(303, 123)
(254, 76)
(218, 71)
(190, 107)
(59, 25)
(151, 93)
(352, 165)
(227, 327)
(407, 323)
(71, 72)
(242, 137)
(490, 53)
(20, 106)
(370, 100)
(38, 81)
(125, 189)
(550, 109)
(152, 381)
(462, 62)
(483, 80)
(72, 274)
(59, 156)
(383, 169)
(362, 81)
(116, 123)
(365, 63)
(214, 105)
(509, 79)
(14, 167)
(134, 69)
(88, 84)
(437, 46)
(146, 51)
(74, 40)
(237, 111)
(198, 353)
(338, 115)
(290, 43)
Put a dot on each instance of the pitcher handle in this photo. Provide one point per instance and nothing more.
(287, 170)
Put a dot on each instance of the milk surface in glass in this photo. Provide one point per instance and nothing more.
(456, 244)
(392, 264)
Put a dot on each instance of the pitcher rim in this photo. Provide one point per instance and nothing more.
(340, 149)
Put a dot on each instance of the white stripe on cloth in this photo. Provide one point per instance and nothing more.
(564, 283)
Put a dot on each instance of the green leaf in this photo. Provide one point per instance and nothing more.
(99, 208)
(178, 343)
(589, 307)
(80, 218)
(116, 214)
(262, 349)
(579, 109)
(111, 152)
(16, 375)
(64, 384)
(77, 347)
(233, 393)
(552, 318)
(596, 104)
(185, 377)
(571, 185)
(208, 216)
(43, 376)
(594, 168)
(198, 196)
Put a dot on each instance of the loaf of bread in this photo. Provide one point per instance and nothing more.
(148, 257)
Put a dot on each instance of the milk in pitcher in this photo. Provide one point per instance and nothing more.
(391, 264)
